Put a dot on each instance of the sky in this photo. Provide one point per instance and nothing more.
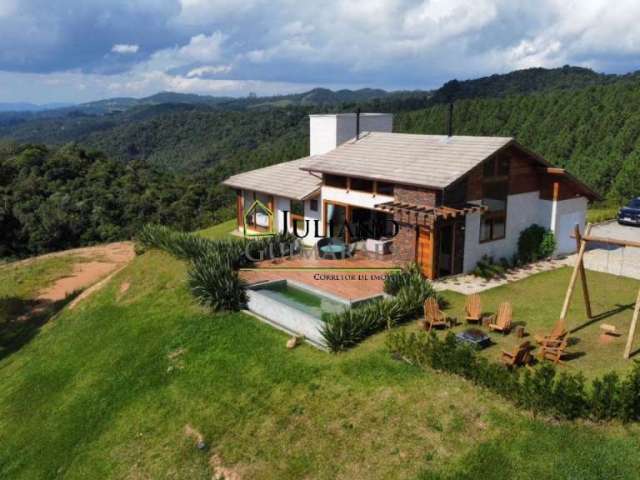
(83, 50)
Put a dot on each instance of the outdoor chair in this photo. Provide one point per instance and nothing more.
(519, 356)
(558, 333)
(553, 351)
(473, 309)
(501, 321)
(433, 316)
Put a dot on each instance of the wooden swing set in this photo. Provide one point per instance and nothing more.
(579, 270)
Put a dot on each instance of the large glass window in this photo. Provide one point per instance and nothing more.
(495, 187)
(336, 218)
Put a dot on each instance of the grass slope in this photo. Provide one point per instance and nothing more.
(105, 391)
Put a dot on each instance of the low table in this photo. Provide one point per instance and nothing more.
(474, 337)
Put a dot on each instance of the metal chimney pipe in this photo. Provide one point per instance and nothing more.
(450, 121)
(358, 124)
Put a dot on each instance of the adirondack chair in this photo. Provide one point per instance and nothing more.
(519, 356)
(553, 351)
(558, 333)
(473, 309)
(501, 321)
(433, 316)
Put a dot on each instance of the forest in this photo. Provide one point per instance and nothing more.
(75, 178)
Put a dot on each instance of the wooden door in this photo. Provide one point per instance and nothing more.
(424, 252)
(240, 208)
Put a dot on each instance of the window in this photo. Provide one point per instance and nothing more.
(313, 205)
(495, 187)
(493, 227)
(384, 188)
(335, 181)
(496, 167)
(297, 207)
(495, 196)
(362, 185)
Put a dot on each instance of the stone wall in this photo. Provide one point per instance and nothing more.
(404, 244)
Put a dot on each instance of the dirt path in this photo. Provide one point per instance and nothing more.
(95, 264)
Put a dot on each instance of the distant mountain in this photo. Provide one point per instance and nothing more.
(30, 107)
(315, 97)
(522, 82)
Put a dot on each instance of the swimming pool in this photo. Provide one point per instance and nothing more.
(295, 307)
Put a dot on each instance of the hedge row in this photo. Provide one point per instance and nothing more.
(212, 277)
(346, 329)
(542, 391)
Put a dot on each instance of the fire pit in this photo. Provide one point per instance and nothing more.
(475, 337)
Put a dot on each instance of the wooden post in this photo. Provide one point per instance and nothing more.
(632, 329)
(574, 276)
(583, 275)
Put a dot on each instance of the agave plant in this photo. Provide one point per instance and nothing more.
(215, 284)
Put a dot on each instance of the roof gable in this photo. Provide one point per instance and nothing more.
(425, 160)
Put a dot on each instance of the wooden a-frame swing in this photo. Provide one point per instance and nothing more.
(579, 270)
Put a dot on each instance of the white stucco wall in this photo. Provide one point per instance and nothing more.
(568, 214)
(355, 198)
(281, 204)
(326, 132)
(522, 211)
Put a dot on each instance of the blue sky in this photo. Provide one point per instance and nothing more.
(81, 50)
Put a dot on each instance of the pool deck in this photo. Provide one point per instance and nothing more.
(352, 279)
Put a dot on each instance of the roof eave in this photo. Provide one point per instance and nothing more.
(386, 179)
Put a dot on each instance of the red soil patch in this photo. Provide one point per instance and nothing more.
(110, 258)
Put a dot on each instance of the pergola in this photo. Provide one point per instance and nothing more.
(579, 270)
(429, 214)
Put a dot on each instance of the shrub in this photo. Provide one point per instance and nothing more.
(604, 397)
(212, 276)
(629, 396)
(486, 268)
(344, 330)
(535, 243)
(541, 391)
(397, 280)
(215, 284)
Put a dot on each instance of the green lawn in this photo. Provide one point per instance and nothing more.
(106, 390)
(537, 302)
(19, 285)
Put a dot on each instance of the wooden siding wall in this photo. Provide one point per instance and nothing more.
(524, 177)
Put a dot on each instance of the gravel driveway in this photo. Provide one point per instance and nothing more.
(611, 258)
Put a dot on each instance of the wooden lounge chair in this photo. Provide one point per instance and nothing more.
(553, 351)
(433, 316)
(473, 309)
(558, 333)
(519, 356)
(501, 321)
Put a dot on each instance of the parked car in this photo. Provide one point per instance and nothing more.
(630, 215)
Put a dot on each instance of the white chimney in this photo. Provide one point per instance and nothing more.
(328, 131)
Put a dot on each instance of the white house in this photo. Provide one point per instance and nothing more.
(452, 199)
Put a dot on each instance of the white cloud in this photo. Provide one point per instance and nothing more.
(125, 48)
(387, 43)
(208, 70)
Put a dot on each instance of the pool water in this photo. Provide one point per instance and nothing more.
(303, 300)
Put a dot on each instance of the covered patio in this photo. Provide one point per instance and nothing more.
(354, 278)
